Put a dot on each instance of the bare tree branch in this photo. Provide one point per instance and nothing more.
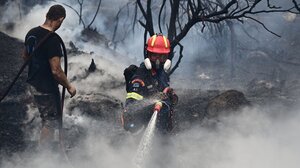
(179, 60)
(96, 13)
(117, 24)
(80, 10)
(172, 23)
(149, 20)
(185, 14)
(159, 15)
(262, 25)
(142, 8)
(147, 15)
(296, 5)
(135, 16)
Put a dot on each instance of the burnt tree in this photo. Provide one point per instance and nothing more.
(182, 15)
(80, 14)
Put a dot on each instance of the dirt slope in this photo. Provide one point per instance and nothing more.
(13, 108)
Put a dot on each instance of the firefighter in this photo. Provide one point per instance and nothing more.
(148, 88)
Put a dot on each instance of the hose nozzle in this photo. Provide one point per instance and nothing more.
(157, 106)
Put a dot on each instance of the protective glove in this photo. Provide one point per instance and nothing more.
(170, 93)
(161, 96)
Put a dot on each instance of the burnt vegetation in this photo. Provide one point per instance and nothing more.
(89, 32)
(175, 18)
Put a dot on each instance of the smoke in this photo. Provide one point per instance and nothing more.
(109, 74)
(261, 137)
(110, 63)
(251, 139)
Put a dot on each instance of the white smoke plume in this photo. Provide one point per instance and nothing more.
(255, 137)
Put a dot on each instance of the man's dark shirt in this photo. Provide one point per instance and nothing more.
(39, 71)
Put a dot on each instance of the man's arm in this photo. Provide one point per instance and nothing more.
(60, 76)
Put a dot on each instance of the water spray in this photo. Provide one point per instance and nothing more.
(146, 142)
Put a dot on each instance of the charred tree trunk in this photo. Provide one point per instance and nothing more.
(185, 14)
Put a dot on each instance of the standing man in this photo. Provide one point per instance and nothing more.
(45, 72)
(148, 88)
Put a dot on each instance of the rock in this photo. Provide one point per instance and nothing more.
(191, 107)
(264, 87)
(227, 102)
(73, 50)
(98, 106)
(92, 66)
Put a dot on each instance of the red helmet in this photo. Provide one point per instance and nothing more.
(158, 44)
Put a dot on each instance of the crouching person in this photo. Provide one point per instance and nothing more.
(148, 89)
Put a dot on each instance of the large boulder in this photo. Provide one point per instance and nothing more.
(97, 106)
(226, 102)
(191, 107)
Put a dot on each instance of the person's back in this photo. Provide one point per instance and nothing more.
(39, 70)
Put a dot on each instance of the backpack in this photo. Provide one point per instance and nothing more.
(128, 74)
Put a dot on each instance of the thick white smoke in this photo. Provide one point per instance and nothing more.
(254, 137)
(250, 139)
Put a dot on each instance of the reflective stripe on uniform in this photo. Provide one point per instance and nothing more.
(139, 81)
(133, 95)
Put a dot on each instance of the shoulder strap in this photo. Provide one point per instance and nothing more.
(44, 39)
